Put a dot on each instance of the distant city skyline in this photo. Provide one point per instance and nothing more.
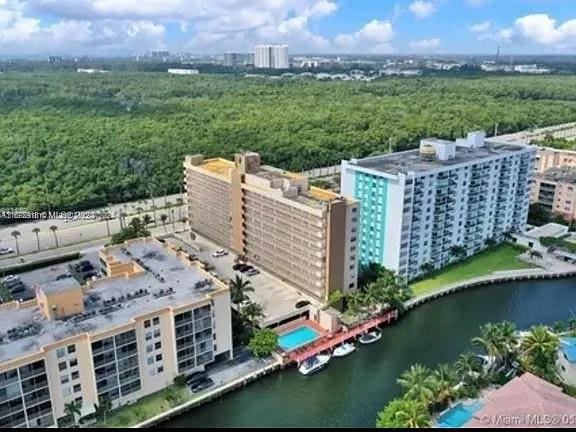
(128, 27)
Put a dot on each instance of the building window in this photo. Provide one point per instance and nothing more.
(77, 388)
(71, 349)
(158, 357)
(158, 345)
(161, 369)
(157, 333)
(73, 362)
(61, 352)
(146, 323)
(156, 321)
(149, 348)
(75, 375)
(64, 379)
(62, 366)
(150, 360)
(148, 335)
(79, 400)
(66, 392)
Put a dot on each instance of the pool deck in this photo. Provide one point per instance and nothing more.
(330, 341)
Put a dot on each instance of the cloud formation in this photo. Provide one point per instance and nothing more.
(422, 9)
(374, 37)
(425, 44)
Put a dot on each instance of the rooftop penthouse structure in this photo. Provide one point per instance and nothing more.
(155, 315)
(304, 235)
(417, 205)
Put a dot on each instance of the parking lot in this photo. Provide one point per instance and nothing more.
(276, 297)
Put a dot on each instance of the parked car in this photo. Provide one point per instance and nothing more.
(237, 266)
(63, 276)
(12, 283)
(10, 278)
(202, 385)
(244, 268)
(302, 303)
(195, 377)
(18, 289)
(252, 272)
(220, 253)
(6, 251)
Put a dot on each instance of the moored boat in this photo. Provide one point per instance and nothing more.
(344, 350)
(370, 337)
(314, 364)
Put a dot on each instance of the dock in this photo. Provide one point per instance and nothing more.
(330, 341)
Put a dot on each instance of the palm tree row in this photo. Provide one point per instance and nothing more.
(429, 391)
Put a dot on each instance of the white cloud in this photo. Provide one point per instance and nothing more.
(374, 37)
(482, 27)
(425, 44)
(422, 9)
(214, 25)
(23, 35)
(539, 29)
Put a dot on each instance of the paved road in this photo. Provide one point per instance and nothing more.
(84, 230)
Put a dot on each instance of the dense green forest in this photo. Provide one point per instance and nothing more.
(69, 140)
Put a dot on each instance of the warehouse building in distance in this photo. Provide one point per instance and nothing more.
(155, 315)
(416, 206)
(304, 235)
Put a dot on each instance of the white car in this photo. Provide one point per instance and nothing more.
(220, 253)
(6, 251)
(10, 278)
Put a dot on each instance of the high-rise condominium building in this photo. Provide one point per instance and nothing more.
(304, 235)
(271, 57)
(417, 205)
(555, 190)
(232, 59)
(154, 316)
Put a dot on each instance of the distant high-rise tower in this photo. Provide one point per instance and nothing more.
(498, 55)
(271, 57)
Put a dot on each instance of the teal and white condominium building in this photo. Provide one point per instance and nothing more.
(415, 206)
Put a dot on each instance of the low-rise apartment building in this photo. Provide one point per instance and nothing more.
(554, 158)
(416, 206)
(304, 235)
(155, 315)
(555, 191)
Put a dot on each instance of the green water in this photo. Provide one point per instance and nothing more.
(350, 391)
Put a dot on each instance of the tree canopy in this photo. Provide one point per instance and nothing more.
(71, 140)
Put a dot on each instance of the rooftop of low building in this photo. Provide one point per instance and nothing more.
(167, 281)
(564, 174)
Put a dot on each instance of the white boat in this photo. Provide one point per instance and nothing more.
(371, 337)
(344, 350)
(314, 364)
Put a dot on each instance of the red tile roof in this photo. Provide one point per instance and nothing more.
(523, 400)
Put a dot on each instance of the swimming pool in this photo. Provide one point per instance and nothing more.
(297, 338)
(459, 415)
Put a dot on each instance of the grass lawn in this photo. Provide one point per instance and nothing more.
(144, 409)
(503, 257)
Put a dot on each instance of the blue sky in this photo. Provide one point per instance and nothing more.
(113, 27)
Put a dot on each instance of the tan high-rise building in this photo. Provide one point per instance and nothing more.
(554, 158)
(304, 235)
(555, 191)
(154, 316)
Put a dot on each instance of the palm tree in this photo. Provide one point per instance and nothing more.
(72, 409)
(490, 242)
(103, 408)
(54, 228)
(16, 234)
(36, 231)
(238, 289)
(139, 210)
(253, 312)
(355, 302)
(444, 381)
(497, 340)
(414, 414)
(458, 251)
(538, 351)
(164, 218)
(107, 220)
(427, 268)
(418, 384)
(173, 220)
(147, 219)
(467, 366)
